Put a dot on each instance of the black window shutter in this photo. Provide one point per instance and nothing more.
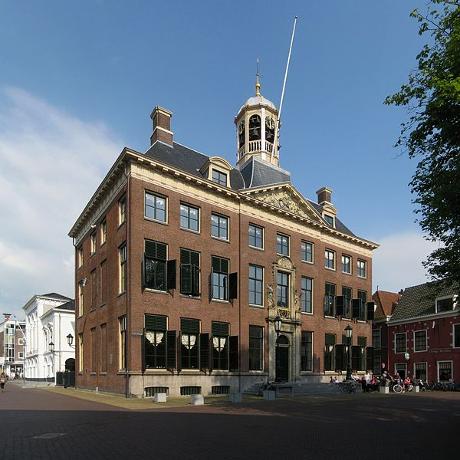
(370, 311)
(369, 358)
(210, 284)
(171, 350)
(234, 365)
(339, 305)
(143, 273)
(171, 274)
(179, 351)
(204, 351)
(340, 358)
(355, 308)
(233, 286)
(143, 350)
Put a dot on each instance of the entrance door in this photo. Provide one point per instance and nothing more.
(282, 359)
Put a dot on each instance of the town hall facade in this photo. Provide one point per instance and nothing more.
(196, 276)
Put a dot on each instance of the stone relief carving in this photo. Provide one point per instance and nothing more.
(284, 262)
(270, 296)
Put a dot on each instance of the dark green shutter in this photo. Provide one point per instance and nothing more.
(233, 286)
(234, 365)
(171, 274)
(143, 273)
(340, 358)
(339, 305)
(195, 280)
(171, 350)
(155, 322)
(204, 351)
(186, 279)
(355, 308)
(370, 311)
(370, 358)
(219, 328)
(143, 350)
(190, 326)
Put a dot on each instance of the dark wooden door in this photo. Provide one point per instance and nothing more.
(282, 363)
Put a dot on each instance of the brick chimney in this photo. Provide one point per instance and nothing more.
(161, 119)
(324, 195)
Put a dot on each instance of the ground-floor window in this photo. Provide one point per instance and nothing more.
(401, 369)
(444, 371)
(420, 371)
(155, 341)
(220, 345)
(256, 348)
(190, 332)
(306, 351)
(329, 342)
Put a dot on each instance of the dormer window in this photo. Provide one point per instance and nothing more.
(219, 177)
(329, 219)
(270, 129)
(444, 304)
(241, 133)
(254, 128)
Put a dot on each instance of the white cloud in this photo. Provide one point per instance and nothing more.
(50, 164)
(397, 264)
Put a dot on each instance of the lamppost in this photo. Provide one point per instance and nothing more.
(70, 340)
(277, 322)
(349, 335)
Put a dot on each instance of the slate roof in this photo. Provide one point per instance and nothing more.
(257, 173)
(339, 225)
(386, 302)
(56, 296)
(420, 300)
(68, 306)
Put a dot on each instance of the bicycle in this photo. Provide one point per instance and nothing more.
(401, 388)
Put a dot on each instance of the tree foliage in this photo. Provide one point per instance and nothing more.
(432, 134)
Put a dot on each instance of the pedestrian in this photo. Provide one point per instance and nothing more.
(2, 381)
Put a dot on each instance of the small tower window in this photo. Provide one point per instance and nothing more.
(269, 129)
(241, 133)
(254, 128)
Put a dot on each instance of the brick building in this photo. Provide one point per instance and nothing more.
(12, 346)
(183, 263)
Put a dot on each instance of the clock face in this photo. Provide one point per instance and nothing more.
(269, 123)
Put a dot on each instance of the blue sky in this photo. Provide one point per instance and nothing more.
(78, 81)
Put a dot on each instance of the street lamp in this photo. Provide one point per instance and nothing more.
(70, 340)
(277, 322)
(51, 347)
(349, 335)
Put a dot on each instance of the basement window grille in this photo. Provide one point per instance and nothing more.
(190, 390)
(151, 391)
(220, 390)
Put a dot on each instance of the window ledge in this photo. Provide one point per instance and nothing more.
(103, 373)
(282, 255)
(362, 277)
(331, 269)
(306, 313)
(253, 305)
(347, 273)
(220, 301)
(308, 262)
(196, 232)
(156, 221)
(121, 225)
(121, 294)
(184, 296)
(256, 372)
(220, 239)
(330, 317)
(256, 248)
(155, 291)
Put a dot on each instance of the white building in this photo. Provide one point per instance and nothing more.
(50, 318)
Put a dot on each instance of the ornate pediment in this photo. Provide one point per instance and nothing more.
(285, 198)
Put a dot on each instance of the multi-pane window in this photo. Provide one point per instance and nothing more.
(93, 288)
(256, 236)
(456, 336)
(80, 352)
(220, 345)
(420, 371)
(93, 243)
(306, 251)
(189, 272)
(306, 289)
(420, 340)
(361, 268)
(81, 299)
(93, 350)
(446, 304)
(103, 281)
(376, 338)
(155, 265)
(329, 299)
(400, 342)
(329, 345)
(122, 211)
(362, 296)
(189, 217)
(346, 264)
(347, 294)
(219, 226)
(282, 289)
(256, 348)
(155, 338)
(329, 219)
(219, 278)
(219, 177)
(155, 207)
(306, 351)
(445, 371)
(80, 256)
(190, 340)
(282, 244)
(103, 347)
(357, 355)
(103, 232)
(329, 259)
(122, 342)
(122, 275)
(256, 279)
(401, 369)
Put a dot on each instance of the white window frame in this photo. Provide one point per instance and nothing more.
(426, 340)
(93, 243)
(263, 237)
(325, 214)
(227, 176)
(289, 244)
(156, 195)
(350, 264)
(365, 268)
(444, 298)
(228, 226)
(453, 335)
(334, 259)
(199, 217)
(394, 344)
(103, 234)
(312, 252)
(122, 205)
(312, 295)
(451, 367)
(426, 368)
(80, 256)
(402, 365)
(263, 284)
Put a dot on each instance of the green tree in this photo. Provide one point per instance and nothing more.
(432, 134)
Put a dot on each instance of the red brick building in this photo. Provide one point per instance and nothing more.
(423, 332)
(183, 262)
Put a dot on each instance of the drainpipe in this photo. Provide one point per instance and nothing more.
(128, 284)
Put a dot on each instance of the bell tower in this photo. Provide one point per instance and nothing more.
(257, 130)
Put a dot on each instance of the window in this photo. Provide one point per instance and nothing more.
(122, 211)
(361, 266)
(282, 289)
(329, 259)
(190, 339)
(256, 348)
(357, 355)
(122, 257)
(347, 294)
(189, 272)
(219, 177)
(155, 207)
(346, 264)
(93, 288)
(329, 299)
(256, 280)
(254, 128)
(219, 278)
(362, 296)
(155, 338)
(282, 245)
(81, 298)
(93, 350)
(103, 282)
(189, 218)
(329, 345)
(306, 351)
(306, 251)
(241, 134)
(401, 369)
(329, 219)
(256, 236)
(306, 289)
(155, 265)
(444, 304)
(400, 342)
(219, 226)
(80, 256)
(456, 336)
(444, 371)
(103, 347)
(21, 355)
(420, 340)
(93, 243)
(220, 345)
(420, 371)
(270, 129)
(377, 338)
(80, 352)
(122, 323)
(103, 232)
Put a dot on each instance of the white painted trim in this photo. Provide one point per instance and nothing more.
(426, 340)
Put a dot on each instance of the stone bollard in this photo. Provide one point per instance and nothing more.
(235, 397)
(160, 397)
(384, 389)
(269, 395)
(197, 400)
(417, 389)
